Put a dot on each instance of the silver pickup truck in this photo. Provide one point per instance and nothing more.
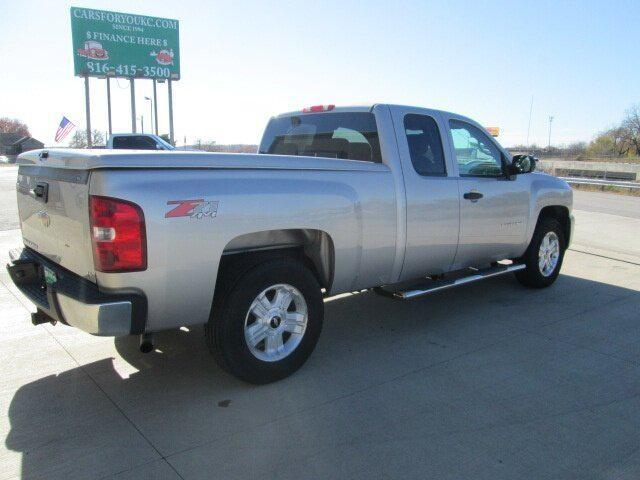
(404, 200)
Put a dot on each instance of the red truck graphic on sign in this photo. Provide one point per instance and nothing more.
(93, 50)
(163, 57)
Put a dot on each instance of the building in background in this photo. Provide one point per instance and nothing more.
(13, 144)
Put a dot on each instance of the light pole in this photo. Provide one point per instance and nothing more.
(141, 118)
(550, 121)
(529, 127)
(150, 112)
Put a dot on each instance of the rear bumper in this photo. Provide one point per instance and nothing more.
(73, 300)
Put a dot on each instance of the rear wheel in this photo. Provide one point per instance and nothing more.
(543, 258)
(268, 322)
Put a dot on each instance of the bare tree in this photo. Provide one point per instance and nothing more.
(79, 139)
(576, 148)
(622, 140)
(13, 125)
(631, 128)
(619, 141)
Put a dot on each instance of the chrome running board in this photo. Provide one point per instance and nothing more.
(438, 285)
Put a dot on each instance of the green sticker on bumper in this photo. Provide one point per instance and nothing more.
(50, 276)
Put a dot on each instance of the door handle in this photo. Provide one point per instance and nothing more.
(473, 196)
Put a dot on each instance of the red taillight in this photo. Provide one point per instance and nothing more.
(318, 108)
(117, 234)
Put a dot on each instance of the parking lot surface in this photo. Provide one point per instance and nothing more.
(491, 381)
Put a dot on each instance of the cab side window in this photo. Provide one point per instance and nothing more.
(425, 145)
(476, 154)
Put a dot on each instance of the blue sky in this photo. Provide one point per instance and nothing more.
(243, 61)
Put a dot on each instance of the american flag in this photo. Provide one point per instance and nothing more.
(63, 130)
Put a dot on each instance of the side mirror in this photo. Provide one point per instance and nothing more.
(159, 147)
(523, 164)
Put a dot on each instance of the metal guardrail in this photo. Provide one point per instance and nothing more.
(602, 183)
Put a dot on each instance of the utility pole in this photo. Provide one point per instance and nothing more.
(550, 121)
(529, 127)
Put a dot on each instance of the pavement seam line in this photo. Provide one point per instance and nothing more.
(122, 412)
(604, 256)
(15, 296)
(150, 462)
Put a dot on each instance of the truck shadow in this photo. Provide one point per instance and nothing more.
(114, 414)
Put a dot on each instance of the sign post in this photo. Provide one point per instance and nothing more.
(170, 112)
(133, 104)
(87, 109)
(109, 103)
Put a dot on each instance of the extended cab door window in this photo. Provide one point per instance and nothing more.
(475, 152)
(425, 146)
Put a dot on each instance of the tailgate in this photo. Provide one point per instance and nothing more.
(54, 214)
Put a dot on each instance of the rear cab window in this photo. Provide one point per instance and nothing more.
(134, 142)
(344, 135)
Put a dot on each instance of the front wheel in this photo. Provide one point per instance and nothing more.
(268, 323)
(543, 258)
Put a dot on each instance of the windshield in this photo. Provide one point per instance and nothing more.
(165, 144)
(346, 135)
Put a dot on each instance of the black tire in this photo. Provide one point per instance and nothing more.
(532, 275)
(225, 330)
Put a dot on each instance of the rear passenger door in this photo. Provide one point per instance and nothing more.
(431, 191)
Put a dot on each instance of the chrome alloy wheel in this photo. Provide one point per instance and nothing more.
(549, 253)
(275, 323)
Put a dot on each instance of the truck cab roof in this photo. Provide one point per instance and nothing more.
(364, 108)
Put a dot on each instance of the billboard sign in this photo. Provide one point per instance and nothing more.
(124, 45)
(494, 131)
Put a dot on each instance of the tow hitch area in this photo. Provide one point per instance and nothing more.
(40, 317)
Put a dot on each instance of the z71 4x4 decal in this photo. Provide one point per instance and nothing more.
(199, 208)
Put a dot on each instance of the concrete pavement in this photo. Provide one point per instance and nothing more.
(491, 381)
(9, 209)
(607, 225)
(620, 205)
